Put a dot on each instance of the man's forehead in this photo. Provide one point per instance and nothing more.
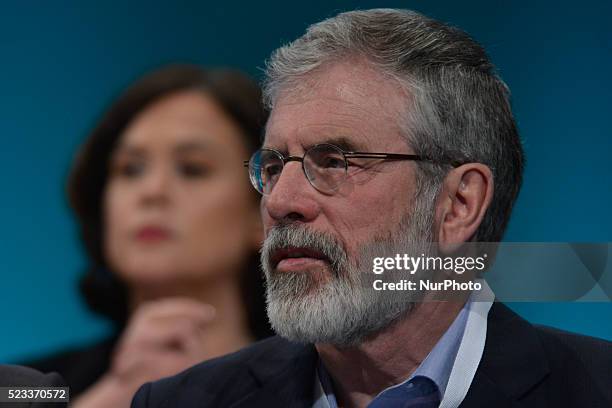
(353, 102)
(352, 81)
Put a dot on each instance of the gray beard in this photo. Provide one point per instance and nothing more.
(343, 310)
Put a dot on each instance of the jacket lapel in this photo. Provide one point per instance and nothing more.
(485, 393)
(512, 364)
(292, 385)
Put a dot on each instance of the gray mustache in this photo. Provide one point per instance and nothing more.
(292, 235)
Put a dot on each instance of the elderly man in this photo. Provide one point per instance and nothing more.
(387, 130)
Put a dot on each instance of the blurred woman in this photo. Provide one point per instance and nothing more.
(171, 226)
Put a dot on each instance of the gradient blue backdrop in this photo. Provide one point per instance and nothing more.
(62, 64)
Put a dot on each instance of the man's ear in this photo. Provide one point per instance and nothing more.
(462, 203)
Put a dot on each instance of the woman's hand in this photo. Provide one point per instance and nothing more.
(162, 338)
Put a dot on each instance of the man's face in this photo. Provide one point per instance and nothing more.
(352, 103)
(315, 242)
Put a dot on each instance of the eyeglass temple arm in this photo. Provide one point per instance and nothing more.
(397, 156)
(368, 155)
(365, 155)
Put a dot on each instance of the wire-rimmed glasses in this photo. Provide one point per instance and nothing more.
(325, 166)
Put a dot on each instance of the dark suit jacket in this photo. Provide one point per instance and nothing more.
(18, 376)
(522, 366)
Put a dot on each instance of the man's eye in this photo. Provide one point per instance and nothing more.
(333, 162)
(271, 170)
(193, 170)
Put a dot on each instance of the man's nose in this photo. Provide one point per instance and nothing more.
(292, 198)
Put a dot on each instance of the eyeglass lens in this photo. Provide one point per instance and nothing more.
(324, 166)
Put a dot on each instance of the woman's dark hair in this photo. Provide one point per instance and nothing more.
(238, 96)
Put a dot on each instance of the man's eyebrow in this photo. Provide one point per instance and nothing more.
(342, 142)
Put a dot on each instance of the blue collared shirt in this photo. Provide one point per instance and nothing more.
(437, 366)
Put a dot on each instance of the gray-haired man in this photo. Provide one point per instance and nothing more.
(405, 136)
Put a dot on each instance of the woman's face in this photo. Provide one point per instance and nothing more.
(178, 206)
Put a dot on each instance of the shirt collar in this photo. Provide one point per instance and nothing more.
(437, 366)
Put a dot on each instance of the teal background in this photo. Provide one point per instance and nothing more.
(63, 63)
